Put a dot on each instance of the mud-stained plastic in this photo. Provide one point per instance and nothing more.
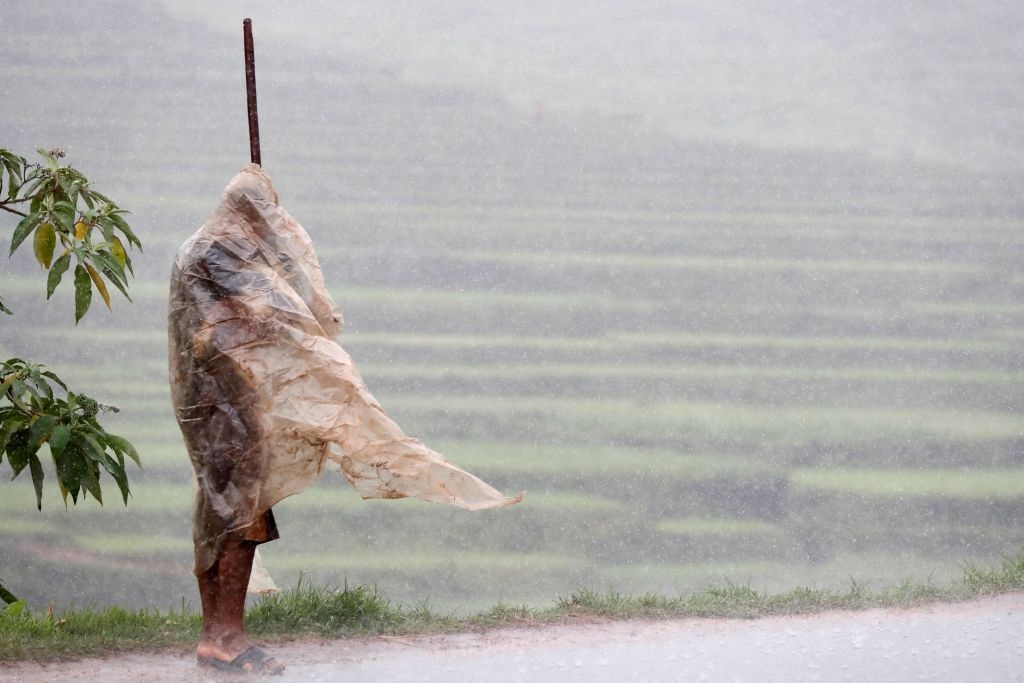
(264, 395)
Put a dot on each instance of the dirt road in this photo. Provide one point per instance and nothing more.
(978, 641)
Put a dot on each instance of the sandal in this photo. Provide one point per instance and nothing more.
(257, 661)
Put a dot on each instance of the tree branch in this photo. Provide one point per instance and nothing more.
(7, 208)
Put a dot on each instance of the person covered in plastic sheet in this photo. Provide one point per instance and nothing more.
(266, 399)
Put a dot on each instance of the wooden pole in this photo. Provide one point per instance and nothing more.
(250, 92)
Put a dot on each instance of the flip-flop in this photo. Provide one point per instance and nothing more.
(253, 656)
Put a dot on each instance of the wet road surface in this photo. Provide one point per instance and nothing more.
(978, 641)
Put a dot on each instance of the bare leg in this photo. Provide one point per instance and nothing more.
(222, 592)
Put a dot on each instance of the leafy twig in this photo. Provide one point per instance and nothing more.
(64, 209)
(39, 415)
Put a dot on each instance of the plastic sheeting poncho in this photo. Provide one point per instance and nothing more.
(264, 396)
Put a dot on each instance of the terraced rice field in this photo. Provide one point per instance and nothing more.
(776, 367)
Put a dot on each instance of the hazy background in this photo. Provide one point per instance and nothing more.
(734, 290)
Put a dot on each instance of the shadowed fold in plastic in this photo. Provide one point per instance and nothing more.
(264, 395)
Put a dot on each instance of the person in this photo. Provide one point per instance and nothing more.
(266, 400)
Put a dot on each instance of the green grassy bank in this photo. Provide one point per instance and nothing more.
(308, 610)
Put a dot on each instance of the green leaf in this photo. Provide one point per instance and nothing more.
(116, 470)
(11, 424)
(65, 213)
(118, 252)
(25, 226)
(36, 468)
(70, 466)
(13, 176)
(8, 381)
(39, 383)
(21, 389)
(59, 438)
(70, 188)
(63, 492)
(102, 197)
(44, 243)
(10, 598)
(51, 161)
(95, 451)
(91, 480)
(112, 269)
(107, 228)
(57, 271)
(108, 261)
(8, 412)
(52, 376)
(117, 283)
(122, 445)
(41, 431)
(83, 292)
(18, 450)
(122, 224)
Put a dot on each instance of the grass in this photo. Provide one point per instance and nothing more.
(498, 456)
(76, 633)
(717, 264)
(419, 298)
(309, 610)
(634, 358)
(566, 372)
(761, 424)
(699, 526)
(802, 342)
(594, 222)
(986, 484)
(331, 494)
(610, 341)
(12, 525)
(146, 496)
(133, 544)
(423, 560)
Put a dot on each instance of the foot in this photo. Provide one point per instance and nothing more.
(237, 654)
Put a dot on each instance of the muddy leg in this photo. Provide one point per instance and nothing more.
(222, 592)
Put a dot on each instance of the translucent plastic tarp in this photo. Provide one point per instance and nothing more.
(264, 395)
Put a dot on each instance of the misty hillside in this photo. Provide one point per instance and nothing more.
(349, 129)
(914, 79)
